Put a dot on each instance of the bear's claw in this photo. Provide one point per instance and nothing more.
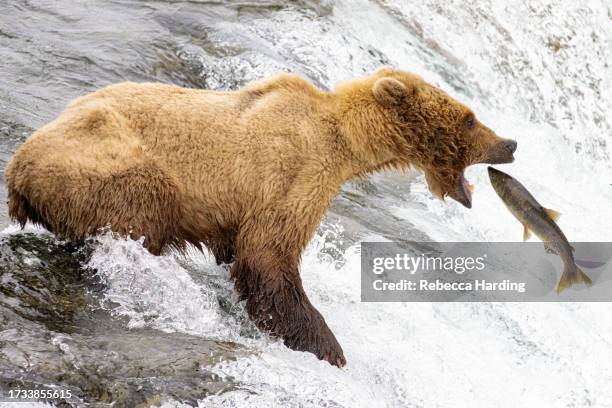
(317, 338)
(281, 308)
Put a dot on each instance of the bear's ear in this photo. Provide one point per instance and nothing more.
(390, 92)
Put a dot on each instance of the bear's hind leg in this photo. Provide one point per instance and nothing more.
(142, 200)
(277, 303)
(138, 200)
(20, 209)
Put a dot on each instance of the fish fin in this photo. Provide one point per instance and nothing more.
(572, 275)
(526, 233)
(554, 215)
(549, 248)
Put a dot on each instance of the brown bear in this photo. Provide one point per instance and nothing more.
(247, 173)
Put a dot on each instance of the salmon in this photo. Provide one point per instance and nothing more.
(541, 221)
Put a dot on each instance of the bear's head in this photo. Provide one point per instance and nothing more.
(436, 133)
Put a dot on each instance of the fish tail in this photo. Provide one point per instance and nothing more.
(572, 274)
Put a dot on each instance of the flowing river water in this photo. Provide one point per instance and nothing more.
(113, 323)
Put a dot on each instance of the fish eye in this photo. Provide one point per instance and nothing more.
(470, 122)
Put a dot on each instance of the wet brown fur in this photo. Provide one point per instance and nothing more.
(248, 173)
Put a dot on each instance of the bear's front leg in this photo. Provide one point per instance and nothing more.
(278, 305)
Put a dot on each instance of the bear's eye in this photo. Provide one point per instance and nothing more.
(470, 122)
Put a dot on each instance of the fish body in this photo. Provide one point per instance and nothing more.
(539, 220)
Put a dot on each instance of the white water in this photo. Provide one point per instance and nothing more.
(494, 57)
(399, 354)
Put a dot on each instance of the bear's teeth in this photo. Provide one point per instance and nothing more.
(471, 188)
(468, 187)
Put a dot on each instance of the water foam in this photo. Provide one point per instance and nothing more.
(402, 355)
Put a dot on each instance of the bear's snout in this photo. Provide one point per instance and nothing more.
(510, 146)
(501, 152)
